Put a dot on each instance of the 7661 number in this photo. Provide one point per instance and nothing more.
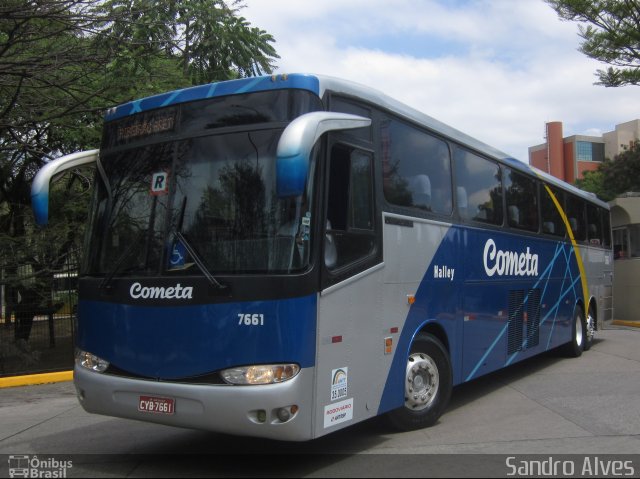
(250, 319)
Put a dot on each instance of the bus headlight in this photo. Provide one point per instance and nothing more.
(260, 374)
(91, 361)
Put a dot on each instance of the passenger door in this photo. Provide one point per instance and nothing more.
(348, 309)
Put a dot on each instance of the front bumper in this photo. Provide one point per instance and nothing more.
(220, 408)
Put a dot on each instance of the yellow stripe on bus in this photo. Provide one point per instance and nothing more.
(583, 276)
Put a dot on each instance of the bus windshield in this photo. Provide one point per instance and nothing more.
(172, 207)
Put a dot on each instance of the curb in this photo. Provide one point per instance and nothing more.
(631, 324)
(32, 379)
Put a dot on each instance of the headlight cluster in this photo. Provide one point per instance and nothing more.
(260, 374)
(244, 375)
(91, 361)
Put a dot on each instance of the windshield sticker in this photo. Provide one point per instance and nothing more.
(177, 258)
(160, 183)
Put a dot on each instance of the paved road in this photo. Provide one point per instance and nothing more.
(548, 406)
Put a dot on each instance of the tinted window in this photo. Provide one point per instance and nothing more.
(350, 225)
(478, 187)
(594, 225)
(247, 109)
(219, 192)
(587, 151)
(522, 200)
(575, 214)
(416, 168)
(606, 227)
(361, 201)
(345, 106)
(202, 115)
(552, 222)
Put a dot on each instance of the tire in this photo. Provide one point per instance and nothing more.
(575, 347)
(590, 329)
(428, 383)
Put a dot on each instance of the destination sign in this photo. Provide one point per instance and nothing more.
(139, 127)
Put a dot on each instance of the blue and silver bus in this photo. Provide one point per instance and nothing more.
(285, 256)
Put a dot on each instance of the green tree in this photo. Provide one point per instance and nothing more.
(207, 39)
(623, 173)
(610, 32)
(50, 81)
(593, 181)
(617, 176)
(63, 62)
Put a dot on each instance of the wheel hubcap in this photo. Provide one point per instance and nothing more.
(578, 330)
(422, 382)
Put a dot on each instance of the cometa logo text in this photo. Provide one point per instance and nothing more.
(138, 291)
(508, 263)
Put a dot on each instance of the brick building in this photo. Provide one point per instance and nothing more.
(567, 158)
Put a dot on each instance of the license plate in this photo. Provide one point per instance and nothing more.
(156, 405)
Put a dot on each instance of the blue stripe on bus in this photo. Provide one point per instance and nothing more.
(178, 342)
(478, 345)
(489, 351)
(231, 87)
(562, 251)
(435, 302)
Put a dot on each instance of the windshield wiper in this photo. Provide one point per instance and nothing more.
(192, 252)
(198, 261)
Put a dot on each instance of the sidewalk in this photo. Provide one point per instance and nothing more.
(629, 323)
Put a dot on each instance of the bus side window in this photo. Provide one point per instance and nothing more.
(552, 223)
(350, 234)
(606, 227)
(416, 169)
(481, 180)
(594, 225)
(575, 208)
(521, 194)
(463, 202)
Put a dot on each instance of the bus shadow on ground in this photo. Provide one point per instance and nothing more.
(134, 449)
(468, 392)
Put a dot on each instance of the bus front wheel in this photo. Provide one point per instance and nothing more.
(427, 385)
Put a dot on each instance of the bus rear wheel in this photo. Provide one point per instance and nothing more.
(427, 385)
(590, 329)
(575, 347)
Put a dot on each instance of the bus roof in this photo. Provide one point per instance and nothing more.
(320, 84)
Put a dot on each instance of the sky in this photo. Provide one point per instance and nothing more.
(497, 70)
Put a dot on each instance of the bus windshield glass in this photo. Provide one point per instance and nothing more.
(205, 201)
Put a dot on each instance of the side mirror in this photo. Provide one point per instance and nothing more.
(297, 141)
(40, 185)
